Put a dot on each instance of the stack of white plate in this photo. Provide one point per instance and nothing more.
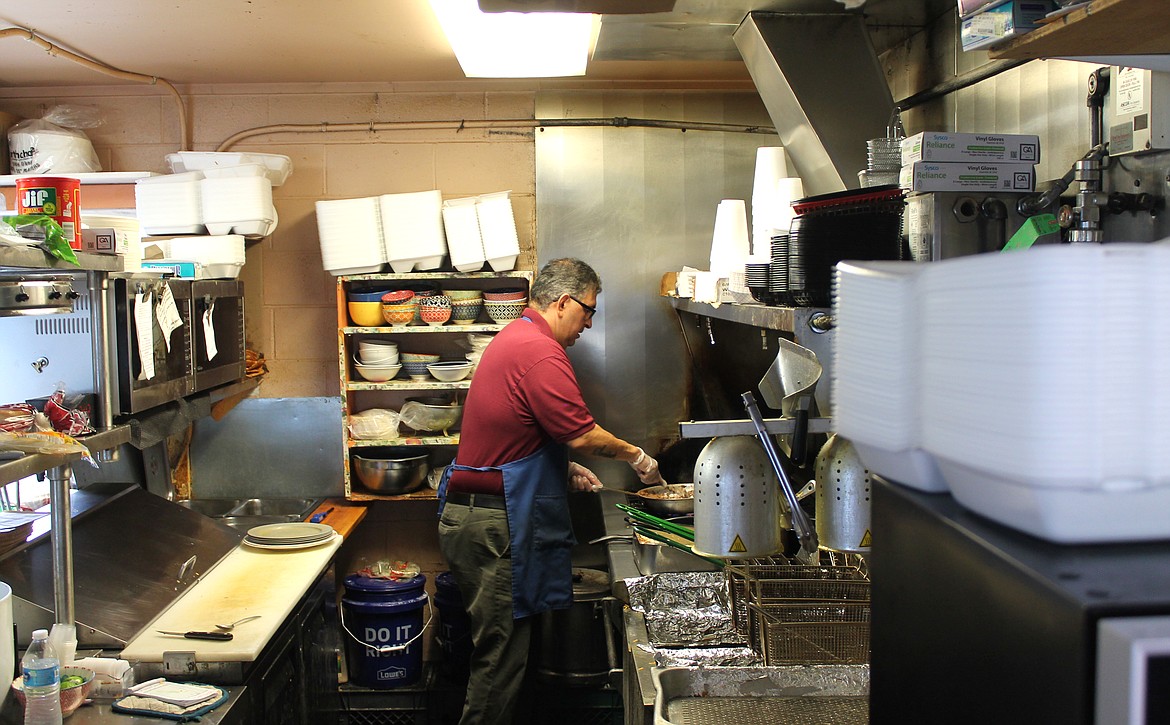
(350, 233)
(170, 204)
(1043, 385)
(463, 236)
(238, 200)
(876, 370)
(497, 230)
(412, 228)
(294, 535)
(222, 256)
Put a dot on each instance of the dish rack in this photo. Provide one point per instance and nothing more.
(802, 614)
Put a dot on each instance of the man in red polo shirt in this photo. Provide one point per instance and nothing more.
(504, 526)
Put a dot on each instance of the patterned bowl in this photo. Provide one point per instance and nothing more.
(399, 314)
(417, 370)
(465, 313)
(505, 294)
(435, 316)
(397, 297)
(463, 294)
(436, 300)
(422, 357)
(504, 312)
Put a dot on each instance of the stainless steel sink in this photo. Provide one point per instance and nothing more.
(243, 514)
(211, 506)
(299, 507)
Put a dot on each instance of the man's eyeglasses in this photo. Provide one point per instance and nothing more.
(590, 310)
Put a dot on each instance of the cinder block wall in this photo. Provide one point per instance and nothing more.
(290, 305)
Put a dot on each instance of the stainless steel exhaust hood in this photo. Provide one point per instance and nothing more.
(820, 79)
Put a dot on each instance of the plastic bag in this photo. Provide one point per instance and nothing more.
(68, 415)
(433, 418)
(44, 442)
(40, 231)
(374, 424)
(16, 417)
(54, 144)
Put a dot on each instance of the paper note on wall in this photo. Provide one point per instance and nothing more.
(209, 330)
(144, 333)
(167, 313)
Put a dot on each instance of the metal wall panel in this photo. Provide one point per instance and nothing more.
(635, 203)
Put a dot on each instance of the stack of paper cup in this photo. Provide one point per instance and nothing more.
(773, 192)
(730, 247)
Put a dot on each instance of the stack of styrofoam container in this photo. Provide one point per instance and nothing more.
(463, 236)
(218, 256)
(238, 200)
(1042, 395)
(497, 230)
(877, 370)
(938, 161)
(170, 204)
(350, 234)
(412, 229)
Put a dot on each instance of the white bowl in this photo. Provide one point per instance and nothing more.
(377, 358)
(450, 372)
(373, 349)
(377, 373)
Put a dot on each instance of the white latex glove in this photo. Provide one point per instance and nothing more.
(582, 479)
(646, 468)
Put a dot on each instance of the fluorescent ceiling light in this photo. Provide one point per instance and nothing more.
(517, 45)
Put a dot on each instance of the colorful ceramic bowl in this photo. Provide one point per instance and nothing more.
(417, 370)
(366, 314)
(504, 312)
(422, 357)
(366, 296)
(463, 294)
(397, 297)
(399, 315)
(505, 294)
(465, 313)
(435, 316)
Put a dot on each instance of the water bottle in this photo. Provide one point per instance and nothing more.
(42, 682)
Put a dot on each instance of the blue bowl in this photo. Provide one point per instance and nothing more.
(375, 296)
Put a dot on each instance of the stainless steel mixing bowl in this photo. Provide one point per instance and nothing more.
(391, 470)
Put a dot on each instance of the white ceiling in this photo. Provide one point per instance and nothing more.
(287, 41)
(381, 41)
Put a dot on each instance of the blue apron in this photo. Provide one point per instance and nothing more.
(540, 532)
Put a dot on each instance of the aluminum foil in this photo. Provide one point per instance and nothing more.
(684, 609)
(705, 656)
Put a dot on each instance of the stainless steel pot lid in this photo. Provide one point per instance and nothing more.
(36, 295)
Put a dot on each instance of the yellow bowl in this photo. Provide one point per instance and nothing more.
(366, 314)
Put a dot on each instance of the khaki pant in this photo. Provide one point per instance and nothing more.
(474, 541)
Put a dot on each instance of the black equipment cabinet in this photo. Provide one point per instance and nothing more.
(974, 622)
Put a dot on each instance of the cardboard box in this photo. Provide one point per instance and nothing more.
(932, 176)
(1000, 22)
(967, 147)
(102, 240)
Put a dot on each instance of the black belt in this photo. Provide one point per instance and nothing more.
(481, 500)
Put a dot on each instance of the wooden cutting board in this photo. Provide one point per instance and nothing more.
(247, 581)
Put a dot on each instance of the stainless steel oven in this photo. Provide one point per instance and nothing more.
(153, 365)
(217, 332)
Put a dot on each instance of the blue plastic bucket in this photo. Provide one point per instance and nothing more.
(384, 622)
(454, 638)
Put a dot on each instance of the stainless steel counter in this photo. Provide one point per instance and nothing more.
(101, 713)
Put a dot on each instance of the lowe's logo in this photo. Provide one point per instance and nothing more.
(392, 673)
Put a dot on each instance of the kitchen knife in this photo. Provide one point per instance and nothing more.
(220, 636)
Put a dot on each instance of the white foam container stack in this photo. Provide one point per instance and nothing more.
(1043, 385)
(497, 230)
(350, 234)
(170, 204)
(238, 203)
(412, 229)
(463, 236)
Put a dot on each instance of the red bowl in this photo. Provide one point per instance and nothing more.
(397, 297)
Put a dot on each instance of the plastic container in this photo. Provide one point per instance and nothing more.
(42, 681)
(454, 635)
(57, 197)
(383, 619)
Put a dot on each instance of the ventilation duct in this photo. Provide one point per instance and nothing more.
(820, 79)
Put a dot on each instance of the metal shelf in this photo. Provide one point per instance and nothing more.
(33, 258)
(784, 319)
(32, 464)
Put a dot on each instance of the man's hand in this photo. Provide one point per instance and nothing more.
(646, 468)
(582, 479)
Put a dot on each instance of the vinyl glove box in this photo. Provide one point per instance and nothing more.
(969, 147)
(1000, 22)
(930, 176)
